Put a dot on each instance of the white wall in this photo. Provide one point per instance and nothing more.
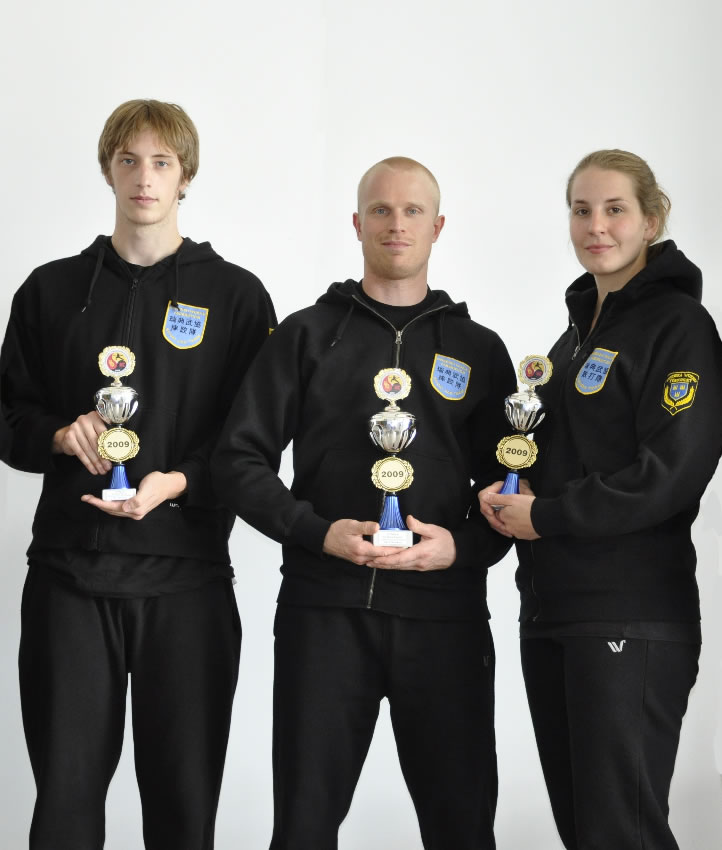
(293, 101)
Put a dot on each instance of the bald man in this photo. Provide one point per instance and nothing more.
(358, 621)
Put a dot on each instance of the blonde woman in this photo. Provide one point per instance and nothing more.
(610, 631)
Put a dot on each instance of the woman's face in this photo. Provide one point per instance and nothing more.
(609, 231)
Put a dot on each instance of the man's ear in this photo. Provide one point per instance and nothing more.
(439, 222)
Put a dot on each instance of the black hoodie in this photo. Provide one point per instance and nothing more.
(632, 437)
(62, 317)
(313, 384)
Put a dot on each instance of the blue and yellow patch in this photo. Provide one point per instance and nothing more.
(449, 377)
(593, 374)
(680, 390)
(185, 325)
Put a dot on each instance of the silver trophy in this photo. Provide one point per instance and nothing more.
(115, 405)
(524, 410)
(392, 430)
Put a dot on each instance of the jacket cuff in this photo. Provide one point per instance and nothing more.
(309, 531)
(478, 546)
(33, 451)
(465, 548)
(198, 491)
(548, 518)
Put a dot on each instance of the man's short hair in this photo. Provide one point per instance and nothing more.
(400, 163)
(167, 121)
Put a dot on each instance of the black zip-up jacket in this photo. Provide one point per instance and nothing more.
(625, 454)
(62, 317)
(313, 384)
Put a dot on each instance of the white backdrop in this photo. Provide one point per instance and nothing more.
(293, 101)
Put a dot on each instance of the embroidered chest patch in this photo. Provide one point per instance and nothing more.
(185, 325)
(593, 374)
(680, 389)
(449, 377)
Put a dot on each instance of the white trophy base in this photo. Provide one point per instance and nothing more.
(397, 537)
(119, 495)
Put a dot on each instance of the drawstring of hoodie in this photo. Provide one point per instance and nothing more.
(440, 330)
(342, 326)
(96, 275)
(175, 295)
(176, 292)
(438, 325)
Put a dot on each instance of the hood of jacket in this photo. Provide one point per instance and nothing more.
(188, 253)
(347, 295)
(666, 266)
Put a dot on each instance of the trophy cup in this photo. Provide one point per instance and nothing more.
(392, 430)
(524, 410)
(115, 405)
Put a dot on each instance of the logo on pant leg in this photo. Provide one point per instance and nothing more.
(616, 647)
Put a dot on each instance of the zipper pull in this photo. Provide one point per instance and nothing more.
(398, 348)
(579, 342)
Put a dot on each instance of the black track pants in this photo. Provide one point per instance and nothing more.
(333, 667)
(607, 717)
(182, 652)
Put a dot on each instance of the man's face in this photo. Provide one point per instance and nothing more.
(397, 222)
(147, 178)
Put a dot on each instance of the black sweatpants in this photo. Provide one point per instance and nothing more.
(182, 652)
(607, 717)
(333, 667)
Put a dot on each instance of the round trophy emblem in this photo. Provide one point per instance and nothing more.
(535, 370)
(516, 452)
(116, 361)
(392, 474)
(392, 384)
(118, 444)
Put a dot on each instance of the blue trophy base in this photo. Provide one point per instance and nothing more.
(510, 488)
(393, 531)
(119, 489)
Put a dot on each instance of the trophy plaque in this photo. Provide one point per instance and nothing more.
(524, 411)
(392, 430)
(115, 405)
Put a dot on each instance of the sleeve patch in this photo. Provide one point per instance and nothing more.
(680, 390)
